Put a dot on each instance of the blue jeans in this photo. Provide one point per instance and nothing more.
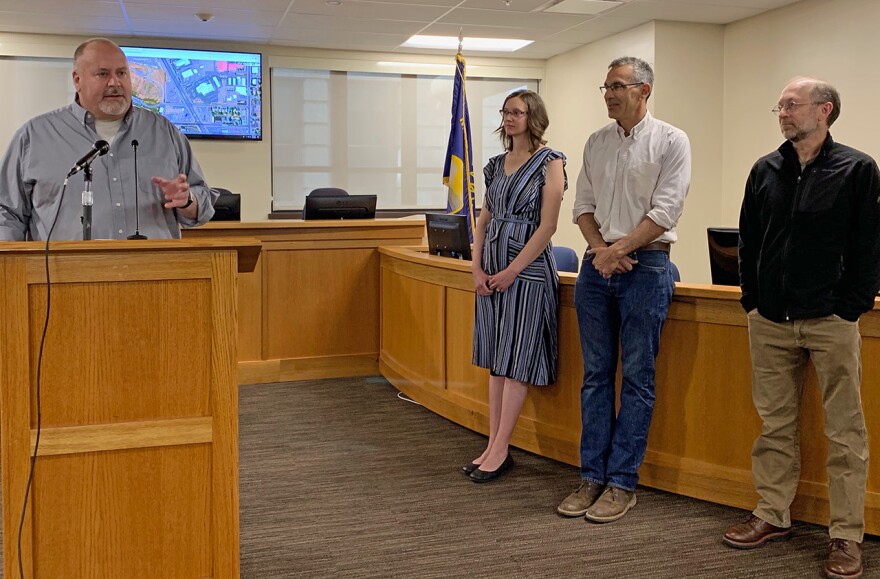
(625, 314)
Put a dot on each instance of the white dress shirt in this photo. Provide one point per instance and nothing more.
(625, 179)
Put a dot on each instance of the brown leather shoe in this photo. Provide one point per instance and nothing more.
(577, 503)
(612, 505)
(754, 532)
(844, 559)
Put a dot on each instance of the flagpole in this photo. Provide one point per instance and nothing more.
(458, 168)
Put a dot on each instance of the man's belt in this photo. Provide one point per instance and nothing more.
(653, 246)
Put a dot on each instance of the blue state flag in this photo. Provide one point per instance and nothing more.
(458, 172)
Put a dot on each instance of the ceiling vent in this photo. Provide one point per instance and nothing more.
(592, 7)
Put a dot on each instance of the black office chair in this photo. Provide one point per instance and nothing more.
(566, 258)
(328, 192)
(227, 207)
(675, 275)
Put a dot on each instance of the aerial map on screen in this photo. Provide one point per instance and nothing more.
(204, 93)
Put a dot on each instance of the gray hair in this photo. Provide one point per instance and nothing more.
(642, 71)
(825, 93)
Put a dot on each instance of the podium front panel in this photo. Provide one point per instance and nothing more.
(137, 468)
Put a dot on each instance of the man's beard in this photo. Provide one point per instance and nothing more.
(114, 107)
(798, 134)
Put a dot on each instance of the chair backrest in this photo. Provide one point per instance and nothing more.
(566, 258)
(227, 207)
(675, 275)
(328, 192)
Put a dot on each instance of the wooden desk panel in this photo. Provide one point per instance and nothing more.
(414, 345)
(704, 422)
(324, 302)
(310, 309)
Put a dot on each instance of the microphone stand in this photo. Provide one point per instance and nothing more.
(87, 202)
(137, 208)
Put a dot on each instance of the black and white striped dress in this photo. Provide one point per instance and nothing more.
(515, 331)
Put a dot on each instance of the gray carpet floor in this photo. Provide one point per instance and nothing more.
(342, 478)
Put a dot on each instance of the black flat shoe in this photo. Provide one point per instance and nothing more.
(469, 468)
(482, 476)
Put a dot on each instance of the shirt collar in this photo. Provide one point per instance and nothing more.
(84, 117)
(787, 150)
(637, 130)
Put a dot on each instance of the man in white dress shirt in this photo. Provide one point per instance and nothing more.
(630, 195)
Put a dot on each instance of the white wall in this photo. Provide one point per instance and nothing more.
(689, 73)
(835, 41)
(246, 167)
(571, 93)
(688, 65)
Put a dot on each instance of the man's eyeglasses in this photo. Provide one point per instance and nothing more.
(617, 87)
(515, 114)
(790, 106)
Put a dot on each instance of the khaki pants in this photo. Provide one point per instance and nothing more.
(780, 352)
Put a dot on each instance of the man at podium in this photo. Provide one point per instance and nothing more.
(144, 176)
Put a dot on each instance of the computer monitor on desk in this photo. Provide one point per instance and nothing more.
(448, 235)
(724, 255)
(340, 207)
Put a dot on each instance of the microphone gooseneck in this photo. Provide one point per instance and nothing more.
(137, 209)
(99, 148)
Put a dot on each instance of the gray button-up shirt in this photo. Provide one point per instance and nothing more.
(33, 169)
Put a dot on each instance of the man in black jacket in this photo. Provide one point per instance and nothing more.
(809, 257)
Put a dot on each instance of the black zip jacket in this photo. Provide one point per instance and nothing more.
(810, 242)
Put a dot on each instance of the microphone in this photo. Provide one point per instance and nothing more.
(99, 148)
(137, 209)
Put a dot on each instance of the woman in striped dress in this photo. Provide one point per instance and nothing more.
(515, 274)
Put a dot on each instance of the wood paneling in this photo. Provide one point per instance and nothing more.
(250, 313)
(704, 422)
(464, 381)
(311, 307)
(122, 435)
(419, 347)
(137, 470)
(133, 513)
(166, 371)
(323, 302)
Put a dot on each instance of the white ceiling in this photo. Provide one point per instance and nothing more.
(371, 25)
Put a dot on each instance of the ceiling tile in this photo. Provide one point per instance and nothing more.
(504, 5)
(379, 10)
(209, 5)
(54, 7)
(526, 20)
(139, 11)
(56, 23)
(375, 25)
(241, 31)
(321, 22)
(684, 12)
(338, 39)
(596, 29)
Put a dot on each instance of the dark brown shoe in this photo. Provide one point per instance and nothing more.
(754, 532)
(844, 559)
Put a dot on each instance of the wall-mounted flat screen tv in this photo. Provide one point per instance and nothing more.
(206, 94)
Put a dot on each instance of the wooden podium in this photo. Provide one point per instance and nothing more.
(137, 468)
